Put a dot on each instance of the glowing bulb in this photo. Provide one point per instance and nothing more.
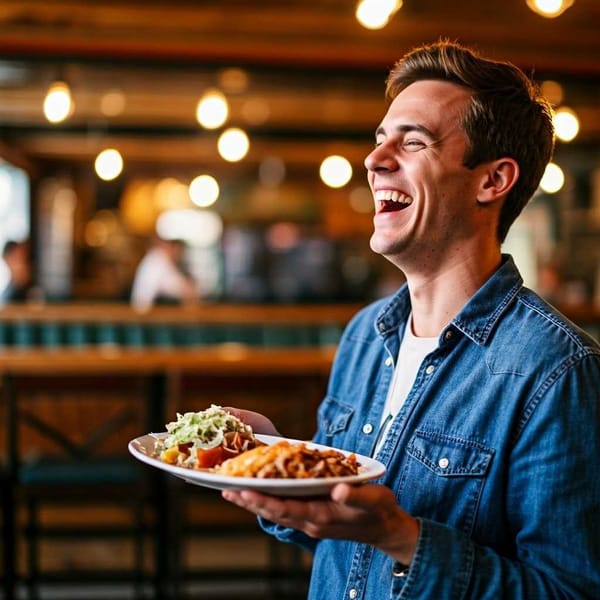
(58, 104)
(549, 8)
(566, 124)
(335, 171)
(108, 164)
(552, 91)
(233, 144)
(204, 190)
(375, 14)
(112, 103)
(553, 179)
(234, 80)
(212, 110)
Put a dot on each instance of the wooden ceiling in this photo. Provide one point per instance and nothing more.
(315, 77)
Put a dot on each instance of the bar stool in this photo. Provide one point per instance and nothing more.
(67, 438)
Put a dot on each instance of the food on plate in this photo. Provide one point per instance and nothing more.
(287, 460)
(204, 439)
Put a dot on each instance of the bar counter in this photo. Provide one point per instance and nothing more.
(285, 384)
(231, 359)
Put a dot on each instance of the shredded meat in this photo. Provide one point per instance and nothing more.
(290, 461)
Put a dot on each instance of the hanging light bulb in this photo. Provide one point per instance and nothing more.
(108, 164)
(566, 124)
(549, 8)
(58, 103)
(335, 171)
(233, 144)
(204, 190)
(212, 109)
(553, 179)
(376, 14)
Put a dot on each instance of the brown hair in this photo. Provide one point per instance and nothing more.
(506, 116)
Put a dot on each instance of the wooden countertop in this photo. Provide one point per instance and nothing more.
(221, 359)
(214, 314)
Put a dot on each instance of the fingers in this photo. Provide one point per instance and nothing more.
(271, 508)
(358, 496)
(258, 422)
(245, 499)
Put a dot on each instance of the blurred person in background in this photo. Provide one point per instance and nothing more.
(161, 278)
(15, 272)
(480, 398)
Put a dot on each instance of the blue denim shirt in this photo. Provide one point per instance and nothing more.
(496, 451)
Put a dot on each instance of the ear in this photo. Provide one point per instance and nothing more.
(498, 179)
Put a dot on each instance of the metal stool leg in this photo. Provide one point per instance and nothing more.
(9, 542)
(32, 534)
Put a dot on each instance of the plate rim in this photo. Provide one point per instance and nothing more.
(278, 486)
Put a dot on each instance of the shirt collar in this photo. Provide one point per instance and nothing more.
(479, 315)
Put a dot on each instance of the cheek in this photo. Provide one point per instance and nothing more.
(370, 179)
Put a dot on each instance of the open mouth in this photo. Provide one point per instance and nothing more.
(391, 206)
(392, 200)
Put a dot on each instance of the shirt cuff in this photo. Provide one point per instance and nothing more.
(440, 551)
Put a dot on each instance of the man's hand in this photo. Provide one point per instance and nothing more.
(366, 513)
(258, 422)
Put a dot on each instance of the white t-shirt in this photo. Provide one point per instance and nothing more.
(157, 276)
(412, 351)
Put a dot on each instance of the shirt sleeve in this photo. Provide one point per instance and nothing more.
(286, 534)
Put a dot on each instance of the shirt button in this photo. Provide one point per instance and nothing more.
(352, 594)
(443, 463)
(448, 334)
(430, 369)
(389, 361)
(367, 428)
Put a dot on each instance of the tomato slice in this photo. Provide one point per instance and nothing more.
(209, 457)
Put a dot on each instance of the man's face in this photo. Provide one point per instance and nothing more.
(425, 199)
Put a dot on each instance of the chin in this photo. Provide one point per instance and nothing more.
(381, 245)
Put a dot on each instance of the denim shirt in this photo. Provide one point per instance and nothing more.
(496, 451)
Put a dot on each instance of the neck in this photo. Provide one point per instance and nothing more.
(437, 296)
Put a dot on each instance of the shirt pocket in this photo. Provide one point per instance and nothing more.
(444, 477)
(334, 421)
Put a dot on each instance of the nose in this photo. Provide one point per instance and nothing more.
(380, 159)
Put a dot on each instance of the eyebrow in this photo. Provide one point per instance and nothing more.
(408, 128)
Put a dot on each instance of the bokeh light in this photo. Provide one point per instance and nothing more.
(566, 124)
(108, 164)
(335, 171)
(58, 104)
(212, 109)
(233, 144)
(553, 179)
(204, 190)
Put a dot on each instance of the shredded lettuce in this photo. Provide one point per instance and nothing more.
(204, 429)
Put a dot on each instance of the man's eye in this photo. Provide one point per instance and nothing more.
(413, 145)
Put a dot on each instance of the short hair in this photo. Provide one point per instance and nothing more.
(506, 116)
(8, 248)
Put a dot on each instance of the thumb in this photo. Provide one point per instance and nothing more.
(356, 496)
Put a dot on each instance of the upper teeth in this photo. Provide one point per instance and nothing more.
(393, 195)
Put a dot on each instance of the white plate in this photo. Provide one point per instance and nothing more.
(142, 448)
